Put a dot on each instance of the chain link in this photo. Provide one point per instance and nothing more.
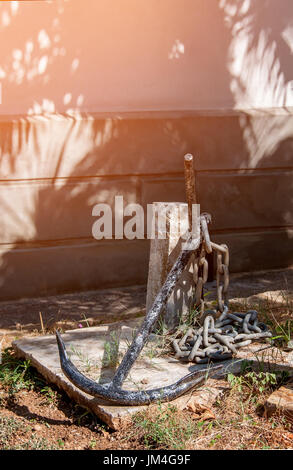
(222, 333)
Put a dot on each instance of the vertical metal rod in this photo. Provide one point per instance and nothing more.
(189, 185)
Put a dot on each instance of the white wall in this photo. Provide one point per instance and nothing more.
(133, 55)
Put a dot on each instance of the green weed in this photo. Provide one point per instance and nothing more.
(256, 382)
(283, 334)
(17, 374)
(111, 351)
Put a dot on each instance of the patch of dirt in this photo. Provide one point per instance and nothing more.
(57, 426)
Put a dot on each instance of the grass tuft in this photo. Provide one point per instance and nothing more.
(163, 427)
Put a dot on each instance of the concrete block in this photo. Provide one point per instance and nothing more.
(261, 357)
(165, 248)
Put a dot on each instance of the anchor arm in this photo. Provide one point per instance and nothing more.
(118, 396)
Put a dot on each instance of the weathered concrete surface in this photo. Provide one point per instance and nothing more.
(96, 350)
(166, 246)
(281, 401)
(89, 349)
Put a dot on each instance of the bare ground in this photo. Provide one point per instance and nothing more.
(28, 420)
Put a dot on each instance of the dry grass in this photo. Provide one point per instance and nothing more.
(240, 424)
(236, 421)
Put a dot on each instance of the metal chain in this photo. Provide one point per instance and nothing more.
(222, 333)
(222, 275)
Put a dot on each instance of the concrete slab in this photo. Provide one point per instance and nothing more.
(96, 350)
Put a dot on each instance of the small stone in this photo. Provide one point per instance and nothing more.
(281, 400)
(37, 427)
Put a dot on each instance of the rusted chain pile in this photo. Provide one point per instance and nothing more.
(222, 333)
(218, 339)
